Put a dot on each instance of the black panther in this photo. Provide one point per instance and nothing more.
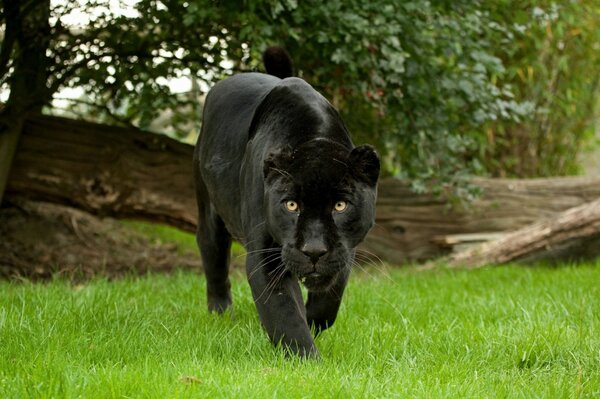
(275, 169)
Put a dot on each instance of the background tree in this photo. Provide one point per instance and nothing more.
(24, 71)
(433, 84)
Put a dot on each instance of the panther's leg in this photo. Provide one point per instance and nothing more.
(279, 303)
(214, 242)
(322, 306)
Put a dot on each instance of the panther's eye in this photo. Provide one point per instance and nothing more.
(340, 206)
(291, 206)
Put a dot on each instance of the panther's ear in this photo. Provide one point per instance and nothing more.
(364, 163)
(276, 163)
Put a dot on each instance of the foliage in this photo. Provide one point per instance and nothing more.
(499, 332)
(553, 62)
(125, 58)
(398, 74)
(433, 84)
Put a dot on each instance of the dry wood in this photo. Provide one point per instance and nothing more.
(458, 239)
(572, 234)
(407, 222)
(105, 170)
(125, 173)
(461, 242)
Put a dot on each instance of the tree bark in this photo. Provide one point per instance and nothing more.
(408, 225)
(107, 171)
(28, 30)
(571, 235)
(9, 138)
(125, 173)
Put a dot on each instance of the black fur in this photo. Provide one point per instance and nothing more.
(265, 142)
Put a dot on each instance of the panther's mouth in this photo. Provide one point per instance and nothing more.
(314, 275)
(316, 281)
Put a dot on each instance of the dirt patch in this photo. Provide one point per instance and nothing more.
(40, 240)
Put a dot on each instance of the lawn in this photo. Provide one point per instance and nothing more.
(512, 332)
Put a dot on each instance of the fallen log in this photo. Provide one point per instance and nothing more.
(571, 235)
(408, 225)
(125, 173)
(105, 170)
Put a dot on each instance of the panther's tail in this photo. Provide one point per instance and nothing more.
(278, 62)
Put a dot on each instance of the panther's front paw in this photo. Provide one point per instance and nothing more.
(219, 304)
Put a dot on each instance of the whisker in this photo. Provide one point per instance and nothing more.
(273, 282)
(277, 279)
(365, 259)
(368, 254)
(382, 270)
(283, 173)
(341, 162)
(263, 263)
(275, 270)
(259, 251)
(334, 292)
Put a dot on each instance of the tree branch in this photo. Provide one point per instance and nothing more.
(103, 107)
(569, 235)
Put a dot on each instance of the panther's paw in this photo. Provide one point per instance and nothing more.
(219, 304)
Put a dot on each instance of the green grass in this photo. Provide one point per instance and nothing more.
(500, 332)
(163, 234)
(185, 242)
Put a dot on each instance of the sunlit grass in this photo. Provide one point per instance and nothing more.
(497, 332)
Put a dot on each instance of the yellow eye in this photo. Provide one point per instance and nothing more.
(291, 206)
(340, 206)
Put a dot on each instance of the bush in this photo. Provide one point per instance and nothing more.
(448, 89)
(552, 62)
(418, 79)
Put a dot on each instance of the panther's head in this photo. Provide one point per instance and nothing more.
(320, 204)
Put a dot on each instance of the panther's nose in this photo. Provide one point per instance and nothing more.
(314, 250)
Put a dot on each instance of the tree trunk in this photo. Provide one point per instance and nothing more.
(9, 138)
(28, 30)
(571, 235)
(125, 173)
